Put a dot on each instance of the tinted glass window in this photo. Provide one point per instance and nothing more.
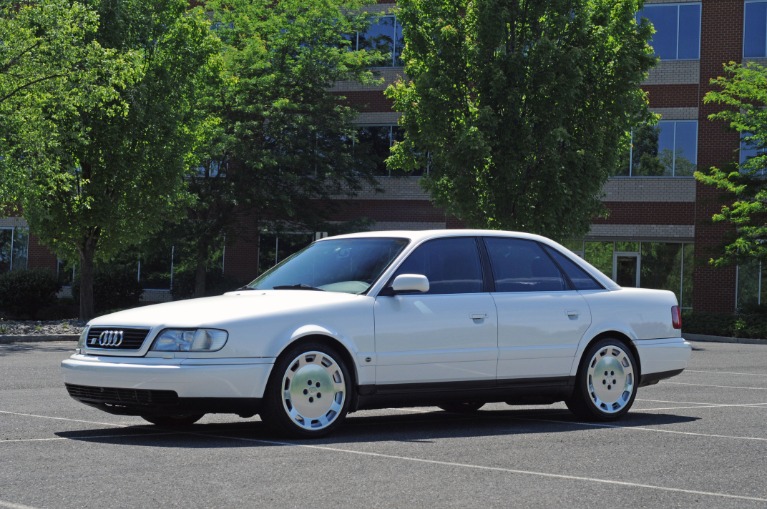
(678, 147)
(522, 266)
(451, 265)
(755, 30)
(338, 265)
(384, 35)
(677, 30)
(688, 46)
(580, 278)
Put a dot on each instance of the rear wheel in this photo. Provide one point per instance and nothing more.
(173, 421)
(309, 391)
(463, 407)
(606, 384)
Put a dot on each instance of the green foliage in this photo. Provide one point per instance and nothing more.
(101, 165)
(751, 325)
(520, 105)
(743, 93)
(114, 287)
(281, 139)
(24, 292)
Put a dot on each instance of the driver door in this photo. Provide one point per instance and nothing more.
(448, 334)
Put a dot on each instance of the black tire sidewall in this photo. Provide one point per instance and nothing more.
(274, 413)
(581, 403)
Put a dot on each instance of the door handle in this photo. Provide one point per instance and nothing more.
(572, 315)
(478, 316)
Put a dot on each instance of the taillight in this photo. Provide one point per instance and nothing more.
(676, 317)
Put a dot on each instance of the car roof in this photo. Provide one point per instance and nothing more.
(418, 236)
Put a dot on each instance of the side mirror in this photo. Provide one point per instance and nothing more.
(410, 283)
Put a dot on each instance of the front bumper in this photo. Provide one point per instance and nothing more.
(138, 386)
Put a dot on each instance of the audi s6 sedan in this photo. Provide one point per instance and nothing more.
(452, 318)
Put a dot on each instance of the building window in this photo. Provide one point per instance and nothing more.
(750, 149)
(755, 29)
(668, 149)
(385, 35)
(678, 147)
(273, 247)
(373, 146)
(661, 265)
(677, 30)
(752, 286)
(14, 249)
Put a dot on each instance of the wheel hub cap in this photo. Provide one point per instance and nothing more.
(610, 379)
(313, 390)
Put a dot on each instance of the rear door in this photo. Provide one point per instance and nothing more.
(541, 318)
(446, 335)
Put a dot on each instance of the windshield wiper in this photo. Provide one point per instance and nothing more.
(299, 286)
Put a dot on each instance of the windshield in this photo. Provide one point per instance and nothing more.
(343, 265)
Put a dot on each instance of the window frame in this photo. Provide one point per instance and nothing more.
(745, 18)
(12, 247)
(678, 6)
(673, 150)
(394, 61)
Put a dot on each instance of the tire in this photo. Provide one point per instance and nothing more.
(463, 407)
(308, 393)
(607, 382)
(173, 421)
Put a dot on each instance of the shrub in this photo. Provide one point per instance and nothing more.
(716, 324)
(113, 288)
(24, 292)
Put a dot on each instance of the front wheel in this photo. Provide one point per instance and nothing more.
(606, 383)
(308, 393)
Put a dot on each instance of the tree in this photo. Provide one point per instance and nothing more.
(120, 132)
(743, 93)
(43, 47)
(284, 142)
(521, 105)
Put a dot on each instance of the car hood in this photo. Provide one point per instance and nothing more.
(226, 309)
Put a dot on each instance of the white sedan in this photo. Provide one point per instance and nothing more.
(453, 318)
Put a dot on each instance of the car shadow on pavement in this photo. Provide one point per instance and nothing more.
(401, 427)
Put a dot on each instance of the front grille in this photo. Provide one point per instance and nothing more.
(114, 396)
(132, 339)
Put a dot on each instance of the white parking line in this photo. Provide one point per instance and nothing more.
(723, 372)
(721, 386)
(88, 437)
(500, 469)
(11, 505)
(643, 428)
(64, 419)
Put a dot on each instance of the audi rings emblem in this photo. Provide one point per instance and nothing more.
(109, 338)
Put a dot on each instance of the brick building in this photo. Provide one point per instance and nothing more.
(659, 231)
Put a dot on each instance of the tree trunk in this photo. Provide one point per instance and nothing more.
(86, 280)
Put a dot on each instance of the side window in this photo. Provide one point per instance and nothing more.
(580, 278)
(452, 265)
(521, 265)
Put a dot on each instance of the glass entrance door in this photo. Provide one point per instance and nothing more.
(626, 269)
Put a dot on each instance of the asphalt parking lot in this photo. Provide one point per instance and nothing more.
(697, 440)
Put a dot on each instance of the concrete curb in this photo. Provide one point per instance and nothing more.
(705, 338)
(32, 338)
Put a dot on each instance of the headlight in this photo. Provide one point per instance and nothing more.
(81, 342)
(190, 340)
